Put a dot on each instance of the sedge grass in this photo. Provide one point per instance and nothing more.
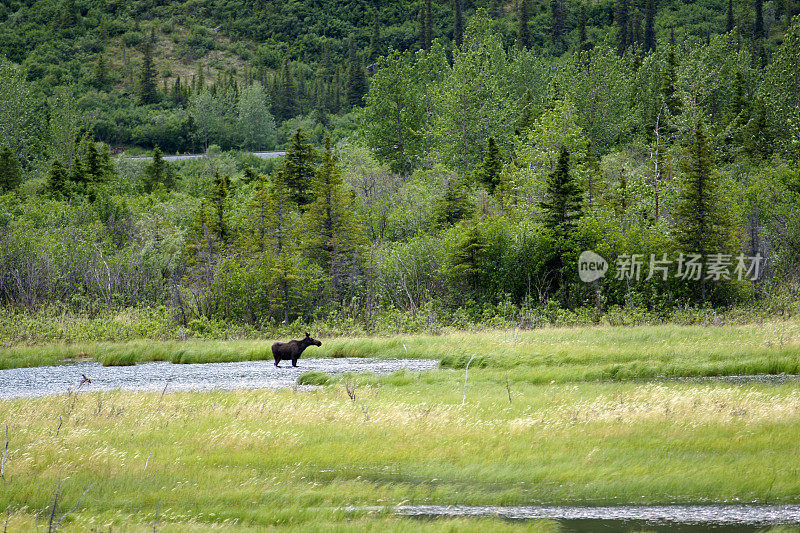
(543, 355)
(295, 459)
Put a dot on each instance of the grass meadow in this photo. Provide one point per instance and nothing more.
(296, 459)
(538, 356)
(546, 417)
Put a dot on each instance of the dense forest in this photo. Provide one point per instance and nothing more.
(447, 161)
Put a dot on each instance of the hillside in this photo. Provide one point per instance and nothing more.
(97, 47)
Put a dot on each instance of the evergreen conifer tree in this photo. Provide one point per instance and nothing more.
(147, 77)
(557, 24)
(669, 81)
(469, 262)
(332, 228)
(729, 19)
(58, 183)
(158, 172)
(699, 218)
(455, 204)
(374, 40)
(10, 176)
(562, 205)
(621, 20)
(458, 22)
(489, 172)
(649, 27)
(298, 169)
(582, 16)
(218, 200)
(356, 80)
(288, 104)
(524, 31)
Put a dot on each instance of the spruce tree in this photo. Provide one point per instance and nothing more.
(562, 204)
(331, 225)
(288, 105)
(489, 172)
(425, 25)
(218, 200)
(100, 74)
(58, 183)
(356, 80)
(582, 18)
(758, 25)
(621, 20)
(649, 27)
(458, 22)
(757, 133)
(92, 166)
(455, 204)
(10, 176)
(669, 81)
(374, 41)
(524, 31)
(201, 78)
(470, 260)
(69, 15)
(526, 115)
(729, 20)
(269, 216)
(298, 169)
(158, 172)
(557, 24)
(147, 78)
(428, 24)
(700, 221)
(177, 92)
(759, 34)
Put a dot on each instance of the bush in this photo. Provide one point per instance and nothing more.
(314, 378)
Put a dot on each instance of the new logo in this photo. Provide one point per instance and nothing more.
(591, 266)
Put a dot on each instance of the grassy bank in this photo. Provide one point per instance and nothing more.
(257, 459)
(542, 355)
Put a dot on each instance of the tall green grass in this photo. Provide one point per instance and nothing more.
(294, 460)
(540, 356)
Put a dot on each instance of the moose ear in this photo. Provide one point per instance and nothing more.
(307, 335)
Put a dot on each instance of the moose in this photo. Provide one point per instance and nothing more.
(285, 351)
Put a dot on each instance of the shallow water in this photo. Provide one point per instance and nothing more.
(657, 518)
(45, 380)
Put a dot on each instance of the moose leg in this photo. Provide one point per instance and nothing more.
(294, 362)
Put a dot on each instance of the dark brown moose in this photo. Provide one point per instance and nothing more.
(291, 351)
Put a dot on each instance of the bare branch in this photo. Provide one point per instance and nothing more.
(466, 371)
(71, 510)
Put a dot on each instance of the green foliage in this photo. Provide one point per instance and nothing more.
(524, 32)
(147, 78)
(297, 170)
(334, 232)
(474, 88)
(469, 260)
(782, 87)
(158, 173)
(314, 378)
(455, 203)
(356, 79)
(701, 224)
(563, 202)
(394, 116)
(10, 177)
(450, 137)
(58, 182)
(489, 173)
